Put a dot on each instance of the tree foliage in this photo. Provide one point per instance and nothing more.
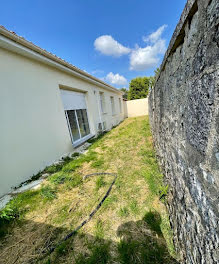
(139, 88)
(125, 91)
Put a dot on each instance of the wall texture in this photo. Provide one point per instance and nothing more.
(138, 107)
(184, 116)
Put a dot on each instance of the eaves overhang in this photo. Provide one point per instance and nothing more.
(12, 42)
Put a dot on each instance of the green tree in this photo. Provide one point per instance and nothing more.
(125, 91)
(138, 88)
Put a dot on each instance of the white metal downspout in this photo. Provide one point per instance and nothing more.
(98, 106)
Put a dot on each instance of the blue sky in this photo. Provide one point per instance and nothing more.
(115, 40)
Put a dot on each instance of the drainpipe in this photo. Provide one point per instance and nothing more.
(98, 106)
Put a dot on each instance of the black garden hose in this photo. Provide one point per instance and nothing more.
(72, 233)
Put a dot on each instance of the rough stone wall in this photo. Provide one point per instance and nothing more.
(184, 116)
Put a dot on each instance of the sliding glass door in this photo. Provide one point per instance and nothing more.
(83, 122)
(78, 124)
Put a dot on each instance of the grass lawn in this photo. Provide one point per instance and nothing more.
(131, 226)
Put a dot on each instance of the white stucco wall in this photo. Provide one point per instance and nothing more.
(138, 107)
(33, 126)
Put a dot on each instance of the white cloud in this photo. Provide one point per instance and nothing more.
(107, 45)
(155, 36)
(145, 58)
(148, 57)
(116, 79)
(141, 58)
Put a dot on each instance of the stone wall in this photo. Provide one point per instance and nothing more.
(184, 117)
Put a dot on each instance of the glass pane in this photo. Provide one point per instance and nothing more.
(73, 124)
(83, 122)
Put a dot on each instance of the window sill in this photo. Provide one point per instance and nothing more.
(82, 140)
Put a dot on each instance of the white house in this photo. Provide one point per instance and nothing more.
(47, 107)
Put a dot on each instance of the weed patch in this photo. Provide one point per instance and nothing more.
(100, 182)
(110, 200)
(9, 212)
(74, 164)
(99, 229)
(98, 163)
(48, 192)
(75, 154)
(58, 178)
(134, 207)
(123, 212)
(74, 181)
(53, 168)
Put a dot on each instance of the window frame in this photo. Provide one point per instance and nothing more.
(81, 139)
(102, 103)
(113, 105)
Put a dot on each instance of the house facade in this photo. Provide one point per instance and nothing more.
(47, 107)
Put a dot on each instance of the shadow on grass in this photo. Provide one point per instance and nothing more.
(140, 242)
(143, 241)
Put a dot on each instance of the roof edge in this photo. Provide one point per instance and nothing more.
(20, 40)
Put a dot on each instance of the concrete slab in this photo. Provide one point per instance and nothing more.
(28, 186)
(4, 200)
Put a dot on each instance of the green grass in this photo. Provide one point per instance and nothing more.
(133, 252)
(139, 245)
(58, 178)
(19, 205)
(62, 214)
(123, 212)
(99, 253)
(62, 248)
(98, 163)
(74, 164)
(127, 252)
(48, 192)
(54, 168)
(153, 220)
(75, 154)
(99, 229)
(134, 208)
(100, 182)
(132, 213)
(74, 181)
(110, 201)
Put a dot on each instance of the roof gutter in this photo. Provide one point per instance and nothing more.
(17, 44)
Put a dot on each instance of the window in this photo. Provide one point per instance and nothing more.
(112, 105)
(83, 122)
(102, 103)
(78, 124)
(120, 105)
